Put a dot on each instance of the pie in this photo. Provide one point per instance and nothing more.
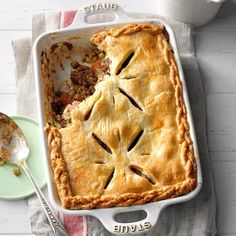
(127, 140)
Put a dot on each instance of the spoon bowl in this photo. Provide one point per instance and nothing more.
(13, 139)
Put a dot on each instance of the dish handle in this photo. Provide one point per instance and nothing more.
(109, 8)
(152, 213)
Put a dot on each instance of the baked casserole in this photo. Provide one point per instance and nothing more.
(117, 128)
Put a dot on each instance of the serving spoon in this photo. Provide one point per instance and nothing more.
(17, 151)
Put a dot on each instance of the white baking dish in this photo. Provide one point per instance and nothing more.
(84, 30)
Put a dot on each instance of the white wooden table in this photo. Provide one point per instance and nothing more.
(216, 52)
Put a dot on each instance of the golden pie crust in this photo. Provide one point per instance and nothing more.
(129, 142)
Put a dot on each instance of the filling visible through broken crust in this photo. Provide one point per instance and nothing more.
(81, 83)
(123, 136)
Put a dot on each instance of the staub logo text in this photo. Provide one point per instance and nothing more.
(132, 228)
(100, 7)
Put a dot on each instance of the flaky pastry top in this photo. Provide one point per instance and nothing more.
(128, 143)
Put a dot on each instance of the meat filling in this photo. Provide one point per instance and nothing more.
(81, 84)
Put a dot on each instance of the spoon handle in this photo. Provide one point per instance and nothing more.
(55, 224)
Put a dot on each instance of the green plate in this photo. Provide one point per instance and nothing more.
(17, 187)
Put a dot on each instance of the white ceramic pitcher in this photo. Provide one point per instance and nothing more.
(195, 12)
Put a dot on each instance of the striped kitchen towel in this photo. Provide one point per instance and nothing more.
(195, 217)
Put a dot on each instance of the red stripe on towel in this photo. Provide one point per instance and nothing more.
(74, 225)
(69, 17)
